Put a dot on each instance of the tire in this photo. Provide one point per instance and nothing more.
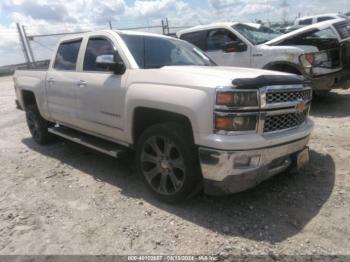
(38, 126)
(285, 69)
(321, 93)
(166, 160)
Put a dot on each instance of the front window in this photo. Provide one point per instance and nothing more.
(256, 34)
(97, 46)
(219, 38)
(156, 52)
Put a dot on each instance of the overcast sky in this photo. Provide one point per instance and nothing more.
(50, 16)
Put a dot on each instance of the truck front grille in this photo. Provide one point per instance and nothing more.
(288, 96)
(284, 121)
(345, 54)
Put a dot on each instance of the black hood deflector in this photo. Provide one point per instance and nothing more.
(268, 80)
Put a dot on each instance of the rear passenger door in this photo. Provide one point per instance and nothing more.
(61, 83)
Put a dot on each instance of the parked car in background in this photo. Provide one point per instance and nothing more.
(193, 124)
(320, 52)
(309, 20)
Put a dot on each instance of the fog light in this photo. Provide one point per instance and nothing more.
(242, 161)
(245, 161)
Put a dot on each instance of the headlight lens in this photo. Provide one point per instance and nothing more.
(237, 99)
(234, 123)
(315, 59)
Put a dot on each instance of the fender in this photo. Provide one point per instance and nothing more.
(285, 63)
(180, 100)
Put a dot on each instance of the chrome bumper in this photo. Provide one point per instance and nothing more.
(235, 171)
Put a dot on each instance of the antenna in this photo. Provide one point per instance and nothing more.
(284, 7)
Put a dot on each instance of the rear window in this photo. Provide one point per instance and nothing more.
(67, 55)
(324, 18)
(305, 21)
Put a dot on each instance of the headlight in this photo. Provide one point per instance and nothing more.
(237, 98)
(315, 59)
(234, 123)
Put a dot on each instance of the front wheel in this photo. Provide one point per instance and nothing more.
(321, 93)
(167, 161)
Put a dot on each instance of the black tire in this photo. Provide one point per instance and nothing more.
(171, 175)
(285, 69)
(38, 126)
(321, 93)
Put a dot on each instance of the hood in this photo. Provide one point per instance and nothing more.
(288, 49)
(200, 77)
(303, 30)
(220, 71)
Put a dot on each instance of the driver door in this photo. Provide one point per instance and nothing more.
(101, 94)
(226, 49)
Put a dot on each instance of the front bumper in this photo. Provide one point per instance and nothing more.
(338, 80)
(222, 174)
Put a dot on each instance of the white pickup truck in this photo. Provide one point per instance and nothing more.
(319, 52)
(192, 124)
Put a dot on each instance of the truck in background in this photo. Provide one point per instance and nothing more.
(320, 52)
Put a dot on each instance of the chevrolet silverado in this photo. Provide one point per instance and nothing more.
(193, 125)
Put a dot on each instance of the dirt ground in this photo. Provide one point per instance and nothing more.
(65, 199)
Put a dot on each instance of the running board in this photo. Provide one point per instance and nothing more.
(90, 141)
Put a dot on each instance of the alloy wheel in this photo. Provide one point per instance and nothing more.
(163, 165)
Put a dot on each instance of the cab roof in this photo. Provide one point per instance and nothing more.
(129, 32)
(214, 26)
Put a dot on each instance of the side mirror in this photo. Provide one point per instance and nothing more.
(108, 62)
(235, 46)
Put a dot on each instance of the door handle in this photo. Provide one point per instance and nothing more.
(82, 83)
(51, 80)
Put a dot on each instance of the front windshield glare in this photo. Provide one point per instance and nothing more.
(256, 34)
(156, 52)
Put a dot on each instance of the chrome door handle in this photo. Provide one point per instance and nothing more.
(51, 80)
(82, 83)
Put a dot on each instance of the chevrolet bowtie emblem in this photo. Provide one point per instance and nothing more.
(300, 107)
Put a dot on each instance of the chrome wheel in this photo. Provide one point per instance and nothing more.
(163, 165)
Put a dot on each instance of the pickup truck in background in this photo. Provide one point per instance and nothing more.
(192, 124)
(309, 20)
(319, 52)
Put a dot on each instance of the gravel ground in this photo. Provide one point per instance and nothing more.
(65, 199)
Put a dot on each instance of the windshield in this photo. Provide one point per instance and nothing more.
(256, 34)
(156, 52)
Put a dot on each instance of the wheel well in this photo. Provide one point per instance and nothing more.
(28, 98)
(146, 117)
(284, 68)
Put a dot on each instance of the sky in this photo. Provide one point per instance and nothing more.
(53, 16)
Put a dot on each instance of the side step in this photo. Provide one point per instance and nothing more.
(90, 141)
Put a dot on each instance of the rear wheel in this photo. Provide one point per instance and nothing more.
(167, 161)
(38, 126)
